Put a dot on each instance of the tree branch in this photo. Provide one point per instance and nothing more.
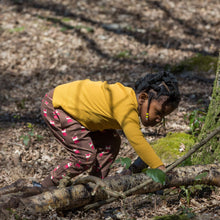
(81, 195)
(193, 150)
(169, 168)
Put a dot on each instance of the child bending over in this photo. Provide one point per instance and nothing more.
(84, 115)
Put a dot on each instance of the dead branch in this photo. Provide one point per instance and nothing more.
(99, 183)
(81, 195)
(19, 185)
(193, 149)
(12, 195)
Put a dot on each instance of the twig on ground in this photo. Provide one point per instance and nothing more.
(193, 150)
(99, 183)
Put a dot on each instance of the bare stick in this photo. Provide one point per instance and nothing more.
(193, 150)
(99, 183)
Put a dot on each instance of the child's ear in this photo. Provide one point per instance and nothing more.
(142, 97)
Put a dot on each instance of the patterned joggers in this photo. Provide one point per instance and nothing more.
(96, 150)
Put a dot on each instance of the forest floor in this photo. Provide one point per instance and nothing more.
(45, 43)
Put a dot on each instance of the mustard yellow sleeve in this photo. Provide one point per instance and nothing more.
(131, 127)
(141, 146)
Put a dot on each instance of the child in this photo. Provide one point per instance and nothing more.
(84, 115)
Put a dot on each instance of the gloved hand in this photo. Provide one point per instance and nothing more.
(137, 166)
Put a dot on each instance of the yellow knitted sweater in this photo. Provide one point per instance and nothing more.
(99, 106)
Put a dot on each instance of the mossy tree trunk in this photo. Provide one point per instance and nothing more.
(211, 151)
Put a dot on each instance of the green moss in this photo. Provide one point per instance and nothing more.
(198, 63)
(168, 148)
(66, 19)
(17, 29)
(123, 54)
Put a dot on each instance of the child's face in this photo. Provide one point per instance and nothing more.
(157, 110)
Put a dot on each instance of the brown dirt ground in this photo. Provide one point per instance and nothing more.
(48, 42)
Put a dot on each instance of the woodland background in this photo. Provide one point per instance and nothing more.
(45, 43)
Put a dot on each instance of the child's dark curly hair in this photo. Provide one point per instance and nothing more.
(163, 83)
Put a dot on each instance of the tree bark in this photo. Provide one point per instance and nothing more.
(210, 153)
(80, 195)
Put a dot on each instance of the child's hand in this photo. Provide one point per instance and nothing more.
(162, 167)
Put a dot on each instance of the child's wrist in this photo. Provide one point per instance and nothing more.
(162, 167)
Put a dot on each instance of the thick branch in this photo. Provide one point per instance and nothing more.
(19, 185)
(109, 187)
(81, 195)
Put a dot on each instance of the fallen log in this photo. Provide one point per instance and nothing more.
(12, 199)
(80, 195)
(54, 200)
(18, 185)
